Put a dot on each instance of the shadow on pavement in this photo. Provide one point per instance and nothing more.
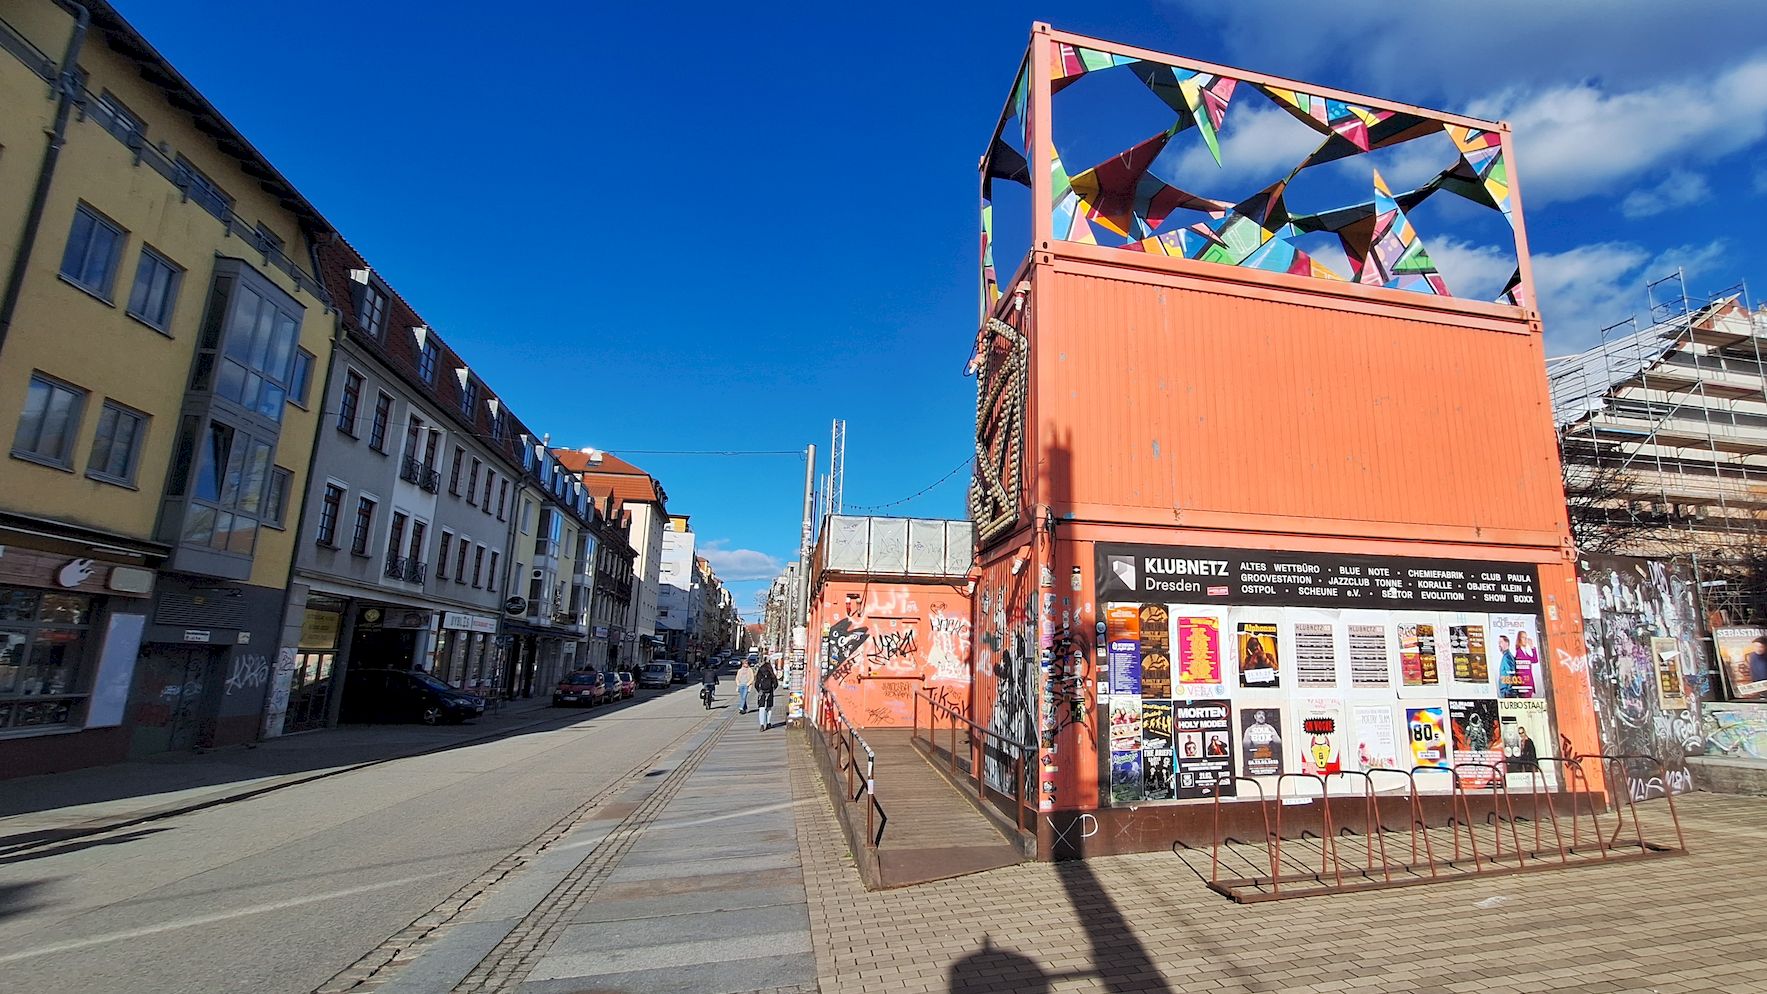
(988, 968)
(62, 850)
(15, 899)
(207, 776)
(1118, 957)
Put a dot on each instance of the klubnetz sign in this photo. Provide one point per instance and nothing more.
(1202, 575)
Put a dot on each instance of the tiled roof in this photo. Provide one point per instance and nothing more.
(627, 482)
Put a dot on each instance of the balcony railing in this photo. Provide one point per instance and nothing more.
(412, 471)
(407, 568)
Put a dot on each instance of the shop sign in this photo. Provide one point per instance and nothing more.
(460, 621)
(319, 629)
(601, 631)
(1313, 579)
(196, 635)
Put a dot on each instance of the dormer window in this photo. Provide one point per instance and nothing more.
(372, 314)
(469, 395)
(426, 360)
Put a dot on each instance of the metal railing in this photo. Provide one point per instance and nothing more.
(845, 744)
(977, 749)
(412, 470)
(407, 568)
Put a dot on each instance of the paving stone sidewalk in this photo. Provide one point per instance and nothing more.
(1146, 923)
(688, 879)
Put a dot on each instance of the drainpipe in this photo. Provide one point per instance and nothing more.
(67, 86)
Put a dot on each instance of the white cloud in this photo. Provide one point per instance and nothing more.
(1678, 189)
(740, 564)
(1580, 139)
(1259, 143)
(1478, 272)
(1587, 288)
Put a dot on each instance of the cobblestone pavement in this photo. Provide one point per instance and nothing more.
(1146, 923)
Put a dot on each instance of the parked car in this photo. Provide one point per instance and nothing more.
(628, 686)
(579, 689)
(678, 668)
(614, 689)
(657, 675)
(381, 695)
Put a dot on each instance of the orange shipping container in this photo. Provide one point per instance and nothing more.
(1263, 439)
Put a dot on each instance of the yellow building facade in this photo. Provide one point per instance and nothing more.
(164, 346)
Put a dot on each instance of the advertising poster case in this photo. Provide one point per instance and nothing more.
(1260, 741)
(1665, 656)
(1428, 731)
(1743, 653)
(1255, 663)
(1478, 748)
(1203, 731)
(1525, 738)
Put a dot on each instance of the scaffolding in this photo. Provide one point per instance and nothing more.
(1662, 430)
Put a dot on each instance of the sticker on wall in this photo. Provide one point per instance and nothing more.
(1417, 655)
(1478, 746)
(1199, 651)
(1203, 739)
(1665, 654)
(1156, 750)
(1316, 663)
(1427, 729)
(1260, 741)
(1516, 646)
(1368, 656)
(1258, 665)
(1322, 735)
(1525, 738)
(1125, 667)
(1376, 748)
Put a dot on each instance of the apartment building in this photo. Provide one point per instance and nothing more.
(644, 500)
(162, 343)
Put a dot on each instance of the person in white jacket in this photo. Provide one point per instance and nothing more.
(745, 678)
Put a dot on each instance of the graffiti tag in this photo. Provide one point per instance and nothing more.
(247, 673)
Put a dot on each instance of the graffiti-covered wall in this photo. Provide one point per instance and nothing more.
(1648, 668)
(1005, 664)
(884, 642)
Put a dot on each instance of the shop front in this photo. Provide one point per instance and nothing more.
(467, 652)
(70, 629)
(205, 670)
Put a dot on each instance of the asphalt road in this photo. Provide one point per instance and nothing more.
(282, 891)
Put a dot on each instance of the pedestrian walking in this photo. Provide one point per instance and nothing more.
(745, 678)
(765, 683)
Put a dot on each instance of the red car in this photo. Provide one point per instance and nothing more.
(582, 688)
(628, 685)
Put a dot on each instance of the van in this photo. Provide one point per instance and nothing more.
(658, 674)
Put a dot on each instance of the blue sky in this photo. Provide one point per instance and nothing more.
(691, 226)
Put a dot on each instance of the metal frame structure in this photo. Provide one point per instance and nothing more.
(1408, 851)
(1662, 431)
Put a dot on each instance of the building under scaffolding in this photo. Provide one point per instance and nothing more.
(1663, 430)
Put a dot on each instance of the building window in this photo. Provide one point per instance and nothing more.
(349, 403)
(94, 244)
(502, 498)
(256, 365)
(396, 542)
(442, 555)
(377, 428)
(417, 535)
(276, 499)
(373, 315)
(117, 447)
(426, 359)
(50, 421)
(478, 566)
(472, 482)
(330, 507)
(300, 383)
(43, 655)
(454, 476)
(118, 119)
(527, 516)
(232, 475)
(491, 578)
(203, 190)
(460, 562)
(364, 526)
(469, 396)
(490, 476)
(156, 290)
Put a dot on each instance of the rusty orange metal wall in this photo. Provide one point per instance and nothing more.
(1174, 405)
(882, 642)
